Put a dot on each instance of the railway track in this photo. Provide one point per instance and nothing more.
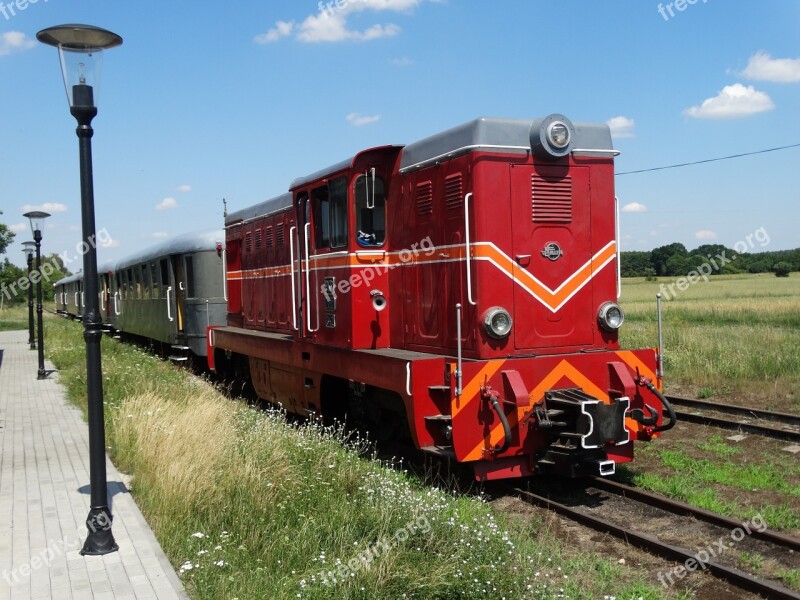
(738, 418)
(583, 514)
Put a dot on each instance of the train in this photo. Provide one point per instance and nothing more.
(170, 294)
(460, 291)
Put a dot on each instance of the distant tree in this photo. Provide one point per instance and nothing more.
(634, 264)
(678, 265)
(660, 256)
(6, 237)
(782, 269)
(53, 273)
(10, 290)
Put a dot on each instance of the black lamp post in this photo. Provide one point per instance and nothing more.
(80, 50)
(37, 218)
(28, 248)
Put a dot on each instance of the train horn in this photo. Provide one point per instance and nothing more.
(378, 300)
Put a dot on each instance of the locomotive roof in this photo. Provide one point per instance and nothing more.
(488, 133)
(70, 278)
(182, 244)
(262, 209)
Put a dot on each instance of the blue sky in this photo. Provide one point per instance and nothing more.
(206, 101)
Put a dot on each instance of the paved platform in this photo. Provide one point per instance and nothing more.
(44, 499)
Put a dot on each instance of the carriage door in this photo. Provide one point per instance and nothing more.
(176, 302)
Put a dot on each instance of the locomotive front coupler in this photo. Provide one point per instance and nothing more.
(650, 423)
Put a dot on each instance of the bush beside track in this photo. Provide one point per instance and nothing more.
(248, 506)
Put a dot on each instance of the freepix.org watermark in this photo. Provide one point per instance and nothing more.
(713, 550)
(367, 275)
(9, 10)
(668, 11)
(49, 267)
(715, 264)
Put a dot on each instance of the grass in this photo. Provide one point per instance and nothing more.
(734, 334)
(14, 318)
(248, 506)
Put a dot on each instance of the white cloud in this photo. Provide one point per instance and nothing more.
(159, 235)
(358, 120)
(48, 207)
(185, 188)
(762, 67)
(733, 102)
(20, 227)
(634, 207)
(402, 62)
(14, 41)
(705, 234)
(621, 127)
(282, 29)
(108, 243)
(167, 203)
(333, 28)
(330, 23)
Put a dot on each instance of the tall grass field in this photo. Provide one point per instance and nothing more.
(733, 335)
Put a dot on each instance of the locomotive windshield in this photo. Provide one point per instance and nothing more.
(370, 210)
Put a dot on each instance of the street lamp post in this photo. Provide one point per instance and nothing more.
(28, 248)
(37, 218)
(80, 50)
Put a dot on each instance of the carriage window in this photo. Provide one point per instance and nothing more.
(370, 211)
(137, 278)
(145, 281)
(164, 273)
(154, 280)
(130, 284)
(190, 276)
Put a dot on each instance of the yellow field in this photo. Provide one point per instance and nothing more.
(734, 338)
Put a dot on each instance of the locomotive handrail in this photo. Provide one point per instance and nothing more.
(306, 231)
(169, 312)
(102, 300)
(291, 268)
(116, 297)
(616, 233)
(597, 150)
(468, 249)
(408, 378)
(225, 274)
(77, 305)
(459, 151)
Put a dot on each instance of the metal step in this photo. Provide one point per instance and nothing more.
(178, 358)
(179, 347)
(441, 418)
(439, 388)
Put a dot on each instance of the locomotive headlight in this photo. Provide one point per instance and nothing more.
(558, 134)
(610, 316)
(497, 322)
(552, 137)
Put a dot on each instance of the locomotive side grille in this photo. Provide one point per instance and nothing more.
(453, 191)
(425, 198)
(248, 242)
(551, 200)
(258, 239)
(279, 234)
(269, 237)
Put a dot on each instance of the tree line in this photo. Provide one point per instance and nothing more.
(674, 260)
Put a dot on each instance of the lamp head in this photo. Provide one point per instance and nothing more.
(37, 218)
(80, 48)
(28, 248)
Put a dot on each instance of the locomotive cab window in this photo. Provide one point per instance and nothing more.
(370, 202)
(190, 288)
(330, 214)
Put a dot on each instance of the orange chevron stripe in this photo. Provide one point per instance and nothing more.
(564, 369)
(470, 391)
(483, 251)
(636, 363)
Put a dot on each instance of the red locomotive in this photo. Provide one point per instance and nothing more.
(462, 288)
